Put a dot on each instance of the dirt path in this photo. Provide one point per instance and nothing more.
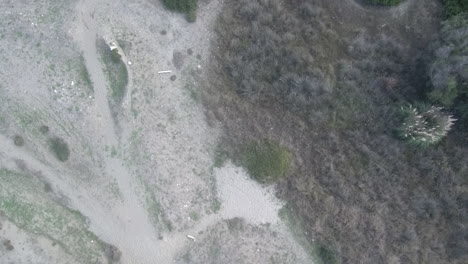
(137, 238)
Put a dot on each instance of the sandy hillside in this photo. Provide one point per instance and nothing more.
(139, 183)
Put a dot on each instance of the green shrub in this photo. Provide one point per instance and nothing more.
(266, 161)
(44, 129)
(189, 7)
(18, 140)
(326, 255)
(115, 55)
(60, 148)
(424, 126)
(116, 71)
(384, 2)
(455, 7)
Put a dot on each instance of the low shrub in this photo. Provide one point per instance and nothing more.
(455, 7)
(266, 161)
(326, 255)
(44, 129)
(18, 140)
(60, 148)
(189, 7)
(116, 71)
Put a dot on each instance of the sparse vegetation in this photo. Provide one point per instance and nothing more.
(60, 148)
(84, 74)
(189, 7)
(24, 202)
(266, 161)
(116, 72)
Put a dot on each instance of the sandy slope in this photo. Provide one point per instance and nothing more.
(160, 185)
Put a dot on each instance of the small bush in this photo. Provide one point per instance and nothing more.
(384, 2)
(116, 71)
(189, 7)
(115, 55)
(60, 148)
(455, 7)
(424, 126)
(18, 140)
(44, 129)
(266, 161)
(326, 255)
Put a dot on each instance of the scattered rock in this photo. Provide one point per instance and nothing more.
(173, 78)
(18, 140)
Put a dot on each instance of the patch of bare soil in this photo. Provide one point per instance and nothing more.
(360, 192)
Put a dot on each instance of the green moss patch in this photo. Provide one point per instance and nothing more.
(266, 161)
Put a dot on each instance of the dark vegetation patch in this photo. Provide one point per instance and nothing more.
(368, 196)
(84, 74)
(455, 7)
(113, 254)
(173, 78)
(189, 7)
(44, 129)
(116, 71)
(59, 148)
(266, 161)
(384, 2)
(7, 244)
(448, 70)
(272, 55)
(326, 255)
(18, 140)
